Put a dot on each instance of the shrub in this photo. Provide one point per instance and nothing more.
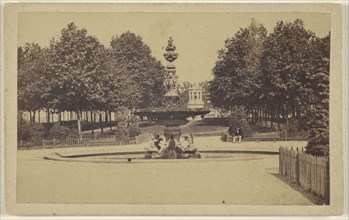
(61, 132)
(296, 125)
(133, 130)
(27, 131)
(238, 119)
(318, 127)
(120, 130)
(74, 133)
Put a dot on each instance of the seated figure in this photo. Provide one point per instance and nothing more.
(237, 135)
(187, 144)
(156, 145)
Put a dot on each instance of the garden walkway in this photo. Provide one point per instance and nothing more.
(251, 179)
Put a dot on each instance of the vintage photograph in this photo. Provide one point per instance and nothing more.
(173, 108)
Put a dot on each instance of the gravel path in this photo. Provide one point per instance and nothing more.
(250, 179)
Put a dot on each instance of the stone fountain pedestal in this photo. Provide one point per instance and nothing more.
(173, 118)
(170, 113)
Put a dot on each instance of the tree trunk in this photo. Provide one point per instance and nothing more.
(252, 115)
(272, 117)
(59, 118)
(101, 123)
(278, 119)
(39, 116)
(110, 124)
(92, 125)
(266, 116)
(48, 115)
(106, 118)
(298, 112)
(79, 125)
(30, 117)
(286, 113)
(255, 117)
(94, 117)
(34, 116)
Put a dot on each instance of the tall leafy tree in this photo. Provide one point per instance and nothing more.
(133, 65)
(32, 65)
(285, 60)
(74, 76)
(238, 66)
(120, 90)
(318, 97)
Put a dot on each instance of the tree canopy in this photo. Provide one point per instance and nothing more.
(77, 73)
(280, 75)
(237, 69)
(145, 75)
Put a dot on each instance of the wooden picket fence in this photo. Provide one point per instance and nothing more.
(310, 172)
(76, 142)
(206, 134)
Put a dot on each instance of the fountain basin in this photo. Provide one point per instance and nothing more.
(138, 157)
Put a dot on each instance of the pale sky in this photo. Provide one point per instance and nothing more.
(197, 36)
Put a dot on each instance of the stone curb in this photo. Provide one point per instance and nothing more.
(83, 157)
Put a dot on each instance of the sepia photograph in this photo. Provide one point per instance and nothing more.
(171, 107)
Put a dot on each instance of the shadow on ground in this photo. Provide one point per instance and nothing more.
(306, 193)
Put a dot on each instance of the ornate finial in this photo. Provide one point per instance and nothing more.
(170, 55)
(170, 46)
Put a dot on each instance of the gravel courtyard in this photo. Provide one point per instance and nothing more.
(245, 179)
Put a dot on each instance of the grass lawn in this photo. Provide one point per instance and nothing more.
(206, 125)
(197, 126)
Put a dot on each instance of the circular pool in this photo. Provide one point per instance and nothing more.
(135, 157)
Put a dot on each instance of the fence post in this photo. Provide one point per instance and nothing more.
(315, 174)
(297, 167)
(285, 161)
(282, 161)
(327, 183)
(290, 164)
(280, 155)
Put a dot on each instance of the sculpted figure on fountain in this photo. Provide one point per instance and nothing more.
(170, 75)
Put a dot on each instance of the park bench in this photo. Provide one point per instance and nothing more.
(271, 136)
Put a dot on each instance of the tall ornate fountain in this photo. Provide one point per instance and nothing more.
(170, 113)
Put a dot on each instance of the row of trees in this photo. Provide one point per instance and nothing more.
(77, 73)
(277, 76)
